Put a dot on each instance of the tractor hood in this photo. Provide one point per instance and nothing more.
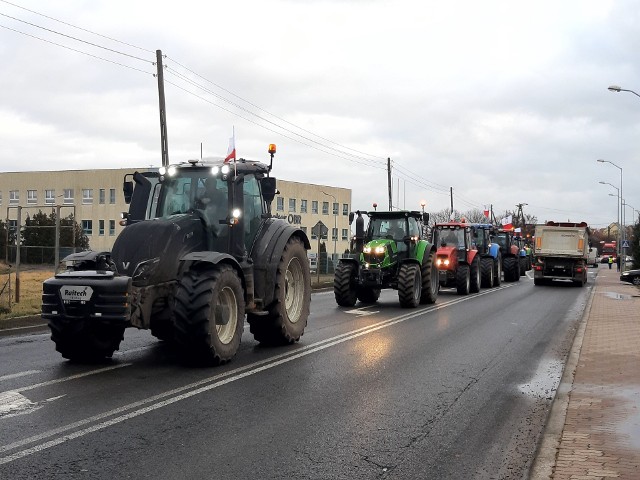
(447, 258)
(149, 251)
(379, 252)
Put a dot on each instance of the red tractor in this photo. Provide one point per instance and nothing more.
(457, 257)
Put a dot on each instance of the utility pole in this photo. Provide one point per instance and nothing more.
(389, 181)
(164, 142)
(451, 193)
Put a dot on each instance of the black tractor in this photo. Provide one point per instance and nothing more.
(200, 251)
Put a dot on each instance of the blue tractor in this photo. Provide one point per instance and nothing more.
(490, 256)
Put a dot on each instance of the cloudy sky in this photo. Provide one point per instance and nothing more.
(504, 101)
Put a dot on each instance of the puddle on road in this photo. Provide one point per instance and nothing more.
(617, 296)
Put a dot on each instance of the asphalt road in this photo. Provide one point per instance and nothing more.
(459, 389)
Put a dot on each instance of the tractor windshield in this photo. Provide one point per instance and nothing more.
(194, 190)
(502, 240)
(449, 237)
(392, 229)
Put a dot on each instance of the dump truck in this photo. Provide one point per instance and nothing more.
(200, 253)
(561, 252)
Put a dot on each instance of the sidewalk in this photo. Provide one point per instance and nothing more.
(600, 405)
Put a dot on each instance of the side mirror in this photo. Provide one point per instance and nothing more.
(351, 217)
(127, 188)
(268, 188)
(425, 218)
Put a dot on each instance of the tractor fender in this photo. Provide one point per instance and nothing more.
(353, 261)
(421, 248)
(266, 252)
(213, 258)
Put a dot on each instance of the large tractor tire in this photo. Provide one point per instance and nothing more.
(522, 262)
(161, 322)
(409, 285)
(288, 314)
(474, 276)
(209, 313)
(511, 269)
(344, 284)
(497, 272)
(85, 341)
(463, 280)
(487, 272)
(430, 283)
(367, 294)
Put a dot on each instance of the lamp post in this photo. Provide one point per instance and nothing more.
(623, 236)
(335, 223)
(633, 211)
(618, 217)
(617, 89)
(423, 203)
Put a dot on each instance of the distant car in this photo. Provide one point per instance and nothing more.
(631, 276)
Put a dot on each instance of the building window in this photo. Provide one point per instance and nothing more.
(335, 208)
(303, 206)
(101, 197)
(280, 204)
(314, 206)
(101, 227)
(112, 228)
(334, 233)
(292, 204)
(49, 197)
(112, 196)
(87, 227)
(325, 208)
(345, 209)
(345, 234)
(87, 195)
(32, 197)
(14, 197)
(314, 236)
(68, 196)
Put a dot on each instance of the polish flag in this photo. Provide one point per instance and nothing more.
(486, 212)
(231, 152)
(507, 222)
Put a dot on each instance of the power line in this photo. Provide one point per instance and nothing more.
(74, 38)
(267, 128)
(75, 50)
(76, 27)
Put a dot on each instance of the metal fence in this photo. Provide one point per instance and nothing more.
(5, 291)
(36, 255)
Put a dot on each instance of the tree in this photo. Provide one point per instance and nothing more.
(40, 231)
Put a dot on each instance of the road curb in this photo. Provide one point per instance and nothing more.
(542, 468)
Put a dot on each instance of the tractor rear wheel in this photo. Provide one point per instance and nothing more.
(368, 294)
(287, 315)
(523, 266)
(487, 272)
(474, 275)
(511, 270)
(344, 284)
(409, 285)
(430, 283)
(85, 340)
(463, 280)
(209, 313)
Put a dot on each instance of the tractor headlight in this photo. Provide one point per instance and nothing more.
(225, 169)
(144, 270)
(215, 170)
(171, 171)
(379, 250)
(367, 250)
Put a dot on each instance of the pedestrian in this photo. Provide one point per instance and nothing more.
(618, 263)
(610, 262)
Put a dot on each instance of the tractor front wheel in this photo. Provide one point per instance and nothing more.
(409, 285)
(84, 340)
(487, 272)
(463, 280)
(474, 274)
(209, 313)
(344, 284)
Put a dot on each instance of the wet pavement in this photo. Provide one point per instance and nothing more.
(594, 427)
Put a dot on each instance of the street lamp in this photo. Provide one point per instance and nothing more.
(621, 212)
(616, 88)
(335, 223)
(618, 216)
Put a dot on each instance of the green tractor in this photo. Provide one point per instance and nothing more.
(391, 253)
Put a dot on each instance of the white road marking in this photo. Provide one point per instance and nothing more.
(72, 377)
(19, 374)
(208, 384)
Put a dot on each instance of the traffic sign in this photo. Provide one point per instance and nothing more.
(625, 244)
(319, 229)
